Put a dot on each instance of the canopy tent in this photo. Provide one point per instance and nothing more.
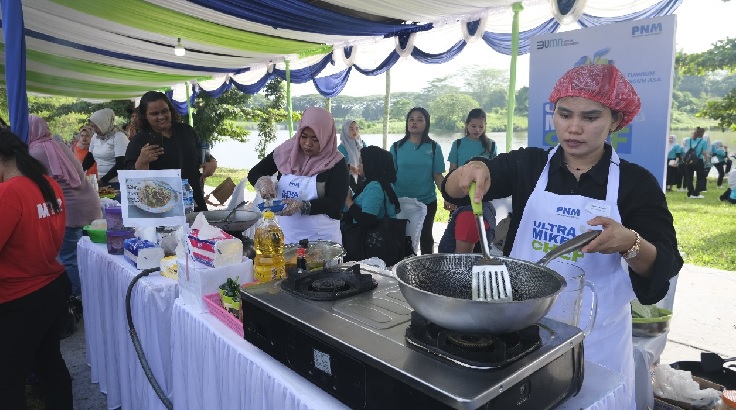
(112, 49)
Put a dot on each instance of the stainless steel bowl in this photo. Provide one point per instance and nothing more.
(439, 288)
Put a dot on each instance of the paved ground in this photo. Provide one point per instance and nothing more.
(704, 320)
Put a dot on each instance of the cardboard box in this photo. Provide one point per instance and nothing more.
(142, 254)
(669, 404)
(197, 280)
(223, 250)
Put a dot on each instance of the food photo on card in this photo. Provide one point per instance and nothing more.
(151, 198)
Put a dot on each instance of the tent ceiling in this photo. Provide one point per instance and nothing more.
(118, 49)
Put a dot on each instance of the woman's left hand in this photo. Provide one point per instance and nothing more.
(615, 237)
(291, 207)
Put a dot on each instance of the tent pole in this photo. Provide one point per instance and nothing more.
(386, 108)
(517, 8)
(289, 111)
(15, 67)
(189, 104)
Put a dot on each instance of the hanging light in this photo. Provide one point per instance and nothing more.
(179, 49)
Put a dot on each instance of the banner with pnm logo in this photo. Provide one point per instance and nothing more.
(643, 50)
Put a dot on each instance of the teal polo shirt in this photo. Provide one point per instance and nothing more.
(469, 148)
(415, 167)
(371, 201)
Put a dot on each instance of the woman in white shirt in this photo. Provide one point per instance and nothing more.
(107, 148)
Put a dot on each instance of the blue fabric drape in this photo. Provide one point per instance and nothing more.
(501, 42)
(663, 8)
(439, 58)
(181, 106)
(300, 15)
(15, 67)
(128, 57)
(255, 87)
(305, 74)
(332, 85)
(387, 63)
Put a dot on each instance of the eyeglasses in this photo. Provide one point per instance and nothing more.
(165, 111)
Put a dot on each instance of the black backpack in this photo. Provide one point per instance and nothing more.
(690, 157)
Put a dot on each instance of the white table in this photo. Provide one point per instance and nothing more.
(114, 364)
(214, 368)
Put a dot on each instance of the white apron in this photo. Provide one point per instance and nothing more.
(313, 227)
(550, 219)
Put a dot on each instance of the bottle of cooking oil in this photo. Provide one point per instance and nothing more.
(269, 243)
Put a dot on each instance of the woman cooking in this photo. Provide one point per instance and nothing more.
(313, 179)
(581, 184)
(163, 142)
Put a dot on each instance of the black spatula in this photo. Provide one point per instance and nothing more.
(712, 362)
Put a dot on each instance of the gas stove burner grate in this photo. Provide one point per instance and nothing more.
(329, 283)
(475, 351)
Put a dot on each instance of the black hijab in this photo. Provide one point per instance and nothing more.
(378, 165)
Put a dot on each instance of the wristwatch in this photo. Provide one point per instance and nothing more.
(634, 250)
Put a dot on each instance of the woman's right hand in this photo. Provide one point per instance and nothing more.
(457, 184)
(150, 153)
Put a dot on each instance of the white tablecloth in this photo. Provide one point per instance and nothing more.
(114, 364)
(214, 368)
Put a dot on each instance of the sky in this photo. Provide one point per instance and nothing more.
(700, 23)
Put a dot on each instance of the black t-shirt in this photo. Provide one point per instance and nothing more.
(641, 203)
(181, 151)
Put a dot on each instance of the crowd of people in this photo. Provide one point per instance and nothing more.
(689, 173)
(326, 183)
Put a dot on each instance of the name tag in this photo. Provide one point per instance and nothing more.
(598, 208)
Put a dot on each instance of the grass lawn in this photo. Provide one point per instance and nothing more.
(706, 228)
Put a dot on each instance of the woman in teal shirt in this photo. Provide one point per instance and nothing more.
(718, 158)
(674, 153)
(419, 166)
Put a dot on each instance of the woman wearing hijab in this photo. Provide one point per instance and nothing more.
(107, 148)
(164, 142)
(312, 179)
(674, 158)
(81, 148)
(718, 157)
(82, 200)
(583, 173)
(350, 146)
(33, 286)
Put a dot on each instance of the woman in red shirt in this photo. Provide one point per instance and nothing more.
(33, 284)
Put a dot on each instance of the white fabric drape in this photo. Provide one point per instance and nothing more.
(214, 368)
(110, 353)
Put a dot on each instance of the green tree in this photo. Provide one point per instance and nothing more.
(214, 118)
(448, 111)
(722, 56)
(267, 116)
(522, 101)
(484, 84)
(400, 107)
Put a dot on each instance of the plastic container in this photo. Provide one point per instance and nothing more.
(187, 194)
(214, 306)
(96, 235)
(114, 218)
(269, 263)
(116, 240)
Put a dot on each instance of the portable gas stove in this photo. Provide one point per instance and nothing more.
(370, 350)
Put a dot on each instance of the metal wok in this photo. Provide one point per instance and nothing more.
(439, 288)
(228, 221)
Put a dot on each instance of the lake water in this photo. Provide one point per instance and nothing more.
(243, 155)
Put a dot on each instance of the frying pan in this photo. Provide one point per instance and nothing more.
(438, 287)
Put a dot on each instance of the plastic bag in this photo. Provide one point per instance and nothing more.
(679, 385)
